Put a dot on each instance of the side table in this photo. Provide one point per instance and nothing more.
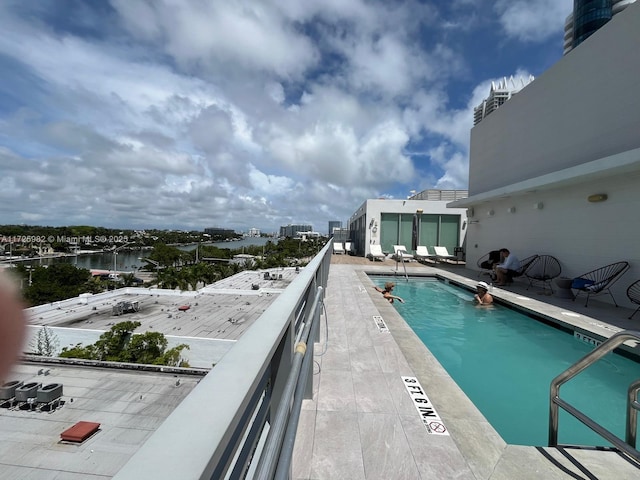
(564, 287)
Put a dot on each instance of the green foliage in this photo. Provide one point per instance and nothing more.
(78, 351)
(173, 357)
(57, 282)
(45, 343)
(120, 345)
(167, 256)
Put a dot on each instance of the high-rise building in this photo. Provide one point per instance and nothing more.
(291, 231)
(587, 17)
(334, 224)
(500, 92)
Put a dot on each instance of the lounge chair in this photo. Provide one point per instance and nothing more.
(422, 254)
(633, 293)
(338, 248)
(400, 254)
(442, 254)
(376, 253)
(348, 248)
(599, 280)
(543, 270)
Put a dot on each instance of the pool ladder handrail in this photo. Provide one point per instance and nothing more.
(629, 445)
(400, 254)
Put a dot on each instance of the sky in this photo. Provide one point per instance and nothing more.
(188, 114)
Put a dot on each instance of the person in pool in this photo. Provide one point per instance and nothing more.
(482, 296)
(386, 293)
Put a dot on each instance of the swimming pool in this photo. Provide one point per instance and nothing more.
(505, 361)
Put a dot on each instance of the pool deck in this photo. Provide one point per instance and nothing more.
(362, 423)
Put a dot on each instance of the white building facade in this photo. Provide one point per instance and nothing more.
(557, 169)
(389, 222)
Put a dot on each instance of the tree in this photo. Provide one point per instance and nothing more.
(56, 282)
(166, 255)
(120, 345)
(111, 344)
(45, 343)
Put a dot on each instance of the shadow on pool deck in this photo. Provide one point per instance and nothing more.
(361, 423)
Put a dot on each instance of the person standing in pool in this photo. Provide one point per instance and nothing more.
(482, 296)
(386, 293)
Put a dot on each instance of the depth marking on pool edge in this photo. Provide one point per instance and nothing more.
(586, 338)
(380, 323)
(430, 418)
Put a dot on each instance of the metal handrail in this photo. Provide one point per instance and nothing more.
(272, 453)
(399, 254)
(632, 404)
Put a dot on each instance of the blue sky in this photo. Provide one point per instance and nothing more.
(194, 113)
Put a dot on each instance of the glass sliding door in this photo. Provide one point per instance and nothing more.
(449, 231)
(429, 230)
(389, 231)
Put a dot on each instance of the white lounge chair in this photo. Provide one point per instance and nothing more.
(376, 253)
(400, 253)
(422, 253)
(338, 248)
(348, 248)
(442, 254)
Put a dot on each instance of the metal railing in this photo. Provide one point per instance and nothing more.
(627, 446)
(240, 420)
(399, 257)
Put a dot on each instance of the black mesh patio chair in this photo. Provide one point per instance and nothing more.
(599, 280)
(633, 292)
(525, 265)
(543, 270)
(485, 263)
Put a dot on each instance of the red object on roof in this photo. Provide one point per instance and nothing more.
(184, 308)
(80, 431)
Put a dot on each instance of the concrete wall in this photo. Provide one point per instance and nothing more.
(585, 107)
(581, 235)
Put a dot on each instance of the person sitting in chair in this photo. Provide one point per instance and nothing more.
(386, 293)
(507, 268)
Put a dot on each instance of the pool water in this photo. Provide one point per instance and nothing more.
(505, 361)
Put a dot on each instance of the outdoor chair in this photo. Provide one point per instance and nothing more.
(487, 261)
(376, 253)
(599, 280)
(338, 248)
(543, 270)
(422, 254)
(400, 254)
(525, 264)
(442, 254)
(633, 292)
(348, 248)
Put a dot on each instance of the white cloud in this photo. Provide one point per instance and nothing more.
(533, 20)
(242, 114)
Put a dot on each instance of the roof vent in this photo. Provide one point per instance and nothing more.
(8, 390)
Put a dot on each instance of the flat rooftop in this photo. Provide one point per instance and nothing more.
(128, 405)
(208, 320)
(223, 310)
